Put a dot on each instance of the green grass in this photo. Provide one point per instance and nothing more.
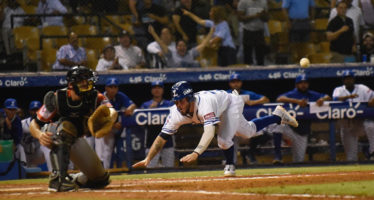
(356, 188)
(240, 172)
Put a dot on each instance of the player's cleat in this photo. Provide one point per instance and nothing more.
(66, 184)
(229, 171)
(285, 116)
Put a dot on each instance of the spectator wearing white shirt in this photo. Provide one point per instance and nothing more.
(351, 129)
(13, 8)
(367, 7)
(70, 55)
(355, 14)
(51, 7)
(155, 50)
(132, 54)
(109, 61)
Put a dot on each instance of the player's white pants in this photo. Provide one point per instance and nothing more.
(167, 158)
(20, 153)
(46, 152)
(233, 123)
(104, 149)
(35, 159)
(299, 142)
(350, 130)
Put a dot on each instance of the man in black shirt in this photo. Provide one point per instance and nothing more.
(186, 28)
(340, 34)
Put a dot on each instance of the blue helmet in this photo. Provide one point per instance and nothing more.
(181, 90)
(348, 73)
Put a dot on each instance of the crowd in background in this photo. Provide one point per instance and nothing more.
(170, 33)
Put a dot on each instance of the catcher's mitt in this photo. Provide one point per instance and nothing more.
(101, 121)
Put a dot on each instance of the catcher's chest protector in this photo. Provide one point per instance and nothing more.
(67, 109)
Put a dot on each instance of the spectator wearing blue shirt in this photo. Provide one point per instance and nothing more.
(300, 13)
(222, 39)
(13, 128)
(250, 99)
(125, 107)
(70, 55)
(51, 7)
(301, 96)
(167, 153)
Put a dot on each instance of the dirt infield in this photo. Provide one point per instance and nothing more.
(192, 188)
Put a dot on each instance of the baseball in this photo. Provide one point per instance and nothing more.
(304, 62)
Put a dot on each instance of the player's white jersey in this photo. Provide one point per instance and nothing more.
(364, 93)
(209, 106)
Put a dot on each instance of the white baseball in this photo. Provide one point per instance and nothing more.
(304, 62)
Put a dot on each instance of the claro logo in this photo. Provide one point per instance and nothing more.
(341, 113)
(148, 118)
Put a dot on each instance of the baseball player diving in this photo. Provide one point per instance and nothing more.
(66, 115)
(215, 109)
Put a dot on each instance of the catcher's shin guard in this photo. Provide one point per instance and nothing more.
(60, 155)
(94, 175)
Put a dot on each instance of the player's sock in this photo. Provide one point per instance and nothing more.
(266, 121)
(277, 139)
(229, 155)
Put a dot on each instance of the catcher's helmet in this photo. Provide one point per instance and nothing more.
(181, 90)
(79, 73)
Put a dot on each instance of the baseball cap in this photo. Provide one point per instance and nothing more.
(10, 103)
(347, 73)
(111, 81)
(35, 105)
(157, 83)
(235, 76)
(300, 78)
(109, 46)
(124, 33)
(367, 34)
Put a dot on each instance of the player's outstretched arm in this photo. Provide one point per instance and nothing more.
(155, 148)
(205, 140)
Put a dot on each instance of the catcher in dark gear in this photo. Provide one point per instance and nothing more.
(67, 115)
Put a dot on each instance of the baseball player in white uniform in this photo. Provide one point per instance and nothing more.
(351, 129)
(213, 109)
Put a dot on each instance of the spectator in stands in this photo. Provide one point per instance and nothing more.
(181, 57)
(110, 61)
(300, 13)
(166, 155)
(31, 145)
(70, 55)
(125, 107)
(253, 14)
(147, 13)
(367, 7)
(355, 14)
(186, 27)
(351, 129)
(12, 8)
(334, 2)
(154, 49)
(51, 7)
(222, 39)
(13, 129)
(301, 96)
(340, 34)
(367, 47)
(132, 55)
(250, 99)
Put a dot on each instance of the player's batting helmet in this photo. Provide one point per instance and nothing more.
(181, 90)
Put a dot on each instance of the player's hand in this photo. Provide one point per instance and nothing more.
(344, 28)
(352, 96)
(189, 158)
(319, 102)
(45, 139)
(117, 125)
(143, 163)
(303, 102)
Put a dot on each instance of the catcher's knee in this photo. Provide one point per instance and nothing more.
(68, 128)
(84, 182)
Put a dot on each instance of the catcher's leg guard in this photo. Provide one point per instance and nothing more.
(93, 174)
(63, 138)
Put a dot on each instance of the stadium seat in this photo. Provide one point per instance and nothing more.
(48, 58)
(98, 43)
(56, 31)
(275, 26)
(320, 58)
(300, 50)
(84, 29)
(321, 24)
(278, 15)
(92, 58)
(29, 9)
(48, 43)
(324, 47)
(24, 33)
